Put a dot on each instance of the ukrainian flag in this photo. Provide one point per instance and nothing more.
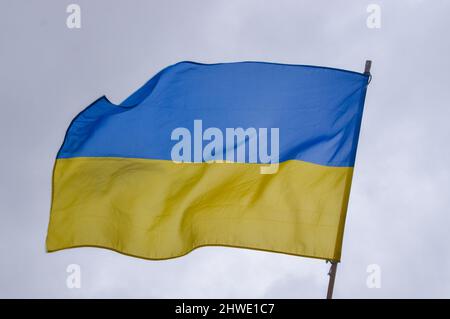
(162, 173)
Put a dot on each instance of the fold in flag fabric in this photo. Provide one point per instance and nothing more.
(250, 154)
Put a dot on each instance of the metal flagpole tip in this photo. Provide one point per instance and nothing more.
(368, 66)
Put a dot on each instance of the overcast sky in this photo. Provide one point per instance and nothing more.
(398, 216)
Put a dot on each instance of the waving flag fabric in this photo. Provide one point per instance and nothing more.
(250, 154)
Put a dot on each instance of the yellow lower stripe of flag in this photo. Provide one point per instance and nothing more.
(159, 209)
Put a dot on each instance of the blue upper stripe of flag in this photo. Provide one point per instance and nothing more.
(317, 110)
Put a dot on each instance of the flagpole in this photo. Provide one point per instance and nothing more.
(332, 274)
(334, 264)
(367, 67)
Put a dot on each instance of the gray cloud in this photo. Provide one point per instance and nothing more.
(399, 208)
